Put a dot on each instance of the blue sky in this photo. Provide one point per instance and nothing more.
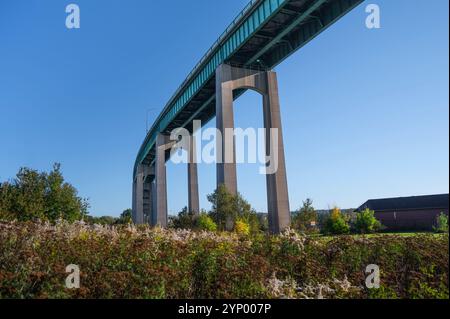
(365, 112)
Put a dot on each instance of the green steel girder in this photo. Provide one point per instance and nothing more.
(265, 33)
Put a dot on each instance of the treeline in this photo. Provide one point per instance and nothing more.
(340, 222)
(334, 222)
(46, 196)
(34, 195)
(233, 213)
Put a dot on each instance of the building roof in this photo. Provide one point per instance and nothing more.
(407, 203)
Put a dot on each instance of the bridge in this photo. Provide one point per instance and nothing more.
(262, 36)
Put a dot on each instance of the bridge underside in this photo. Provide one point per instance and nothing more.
(296, 23)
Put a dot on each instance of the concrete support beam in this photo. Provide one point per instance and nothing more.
(193, 198)
(138, 195)
(163, 143)
(229, 79)
(148, 198)
(154, 209)
(226, 172)
(133, 202)
(277, 188)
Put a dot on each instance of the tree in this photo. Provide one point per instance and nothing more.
(228, 208)
(184, 220)
(224, 208)
(366, 222)
(305, 220)
(336, 223)
(60, 198)
(125, 218)
(40, 195)
(6, 199)
(103, 220)
(441, 223)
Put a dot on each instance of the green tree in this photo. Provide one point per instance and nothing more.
(40, 195)
(125, 217)
(184, 220)
(228, 208)
(366, 222)
(60, 198)
(305, 219)
(224, 208)
(336, 223)
(441, 223)
(6, 200)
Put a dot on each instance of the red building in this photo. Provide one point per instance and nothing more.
(414, 213)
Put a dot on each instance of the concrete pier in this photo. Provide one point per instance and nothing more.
(228, 79)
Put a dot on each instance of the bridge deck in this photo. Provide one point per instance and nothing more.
(264, 34)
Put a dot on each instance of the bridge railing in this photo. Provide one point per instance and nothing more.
(216, 44)
(150, 134)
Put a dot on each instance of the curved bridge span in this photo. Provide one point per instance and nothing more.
(263, 35)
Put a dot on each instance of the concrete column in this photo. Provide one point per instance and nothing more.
(193, 198)
(133, 202)
(277, 189)
(226, 164)
(148, 199)
(228, 79)
(139, 198)
(154, 209)
(163, 144)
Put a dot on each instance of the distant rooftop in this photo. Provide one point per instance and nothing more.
(407, 203)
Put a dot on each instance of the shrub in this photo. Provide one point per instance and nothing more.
(336, 223)
(366, 222)
(204, 222)
(441, 223)
(242, 228)
(128, 262)
(305, 220)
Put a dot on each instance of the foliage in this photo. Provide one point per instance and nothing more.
(224, 208)
(336, 223)
(242, 227)
(204, 222)
(40, 195)
(192, 221)
(128, 262)
(305, 219)
(184, 220)
(227, 209)
(441, 223)
(102, 220)
(366, 222)
(125, 217)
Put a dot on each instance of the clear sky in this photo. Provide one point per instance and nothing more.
(365, 112)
